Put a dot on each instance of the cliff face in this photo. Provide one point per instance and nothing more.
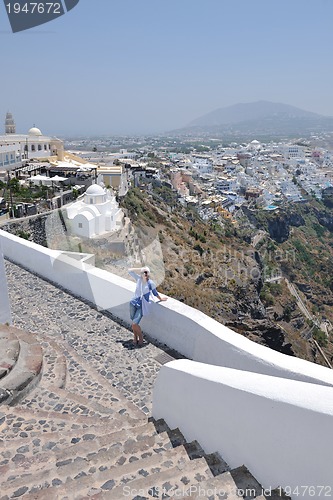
(325, 219)
(279, 226)
(279, 229)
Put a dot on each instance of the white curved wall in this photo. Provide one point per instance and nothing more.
(280, 429)
(181, 327)
(5, 316)
(259, 418)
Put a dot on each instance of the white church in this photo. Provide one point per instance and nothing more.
(16, 148)
(95, 213)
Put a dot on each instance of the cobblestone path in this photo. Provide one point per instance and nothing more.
(75, 404)
(88, 338)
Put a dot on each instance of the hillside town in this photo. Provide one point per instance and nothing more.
(217, 179)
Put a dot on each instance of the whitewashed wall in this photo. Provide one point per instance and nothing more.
(276, 420)
(5, 315)
(181, 327)
(281, 429)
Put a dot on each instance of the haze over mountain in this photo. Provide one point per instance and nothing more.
(261, 117)
(250, 111)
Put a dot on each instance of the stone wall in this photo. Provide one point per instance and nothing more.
(32, 228)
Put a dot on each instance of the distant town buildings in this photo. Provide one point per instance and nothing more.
(256, 174)
(213, 178)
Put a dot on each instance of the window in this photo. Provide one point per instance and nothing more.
(33, 147)
(80, 225)
(39, 147)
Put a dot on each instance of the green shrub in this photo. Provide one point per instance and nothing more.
(266, 297)
(319, 336)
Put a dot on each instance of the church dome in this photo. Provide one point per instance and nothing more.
(35, 131)
(95, 190)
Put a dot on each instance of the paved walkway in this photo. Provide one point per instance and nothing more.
(105, 345)
(81, 431)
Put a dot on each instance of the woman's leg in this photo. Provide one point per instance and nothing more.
(134, 332)
(136, 316)
(138, 337)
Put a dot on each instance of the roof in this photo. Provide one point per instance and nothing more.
(35, 131)
(95, 190)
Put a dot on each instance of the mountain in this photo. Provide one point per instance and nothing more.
(261, 117)
(243, 112)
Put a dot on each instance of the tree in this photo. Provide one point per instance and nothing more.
(14, 185)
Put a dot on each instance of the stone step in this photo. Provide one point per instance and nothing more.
(55, 365)
(66, 370)
(9, 350)
(175, 435)
(216, 463)
(87, 381)
(64, 401)
(30, 424)
(246, 483)
(115, 474)
(26, 372)
(81, 462)
(121, 442)
(194, 450)
(219, 487)
(159, 483)
(63, 438)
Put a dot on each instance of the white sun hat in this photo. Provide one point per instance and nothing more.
(145, 269)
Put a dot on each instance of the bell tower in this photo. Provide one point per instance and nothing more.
(10, 124)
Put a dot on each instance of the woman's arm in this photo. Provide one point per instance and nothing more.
(155, 292)
(135, 270)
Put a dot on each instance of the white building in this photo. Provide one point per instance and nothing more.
(95, 213)
(225, 184)
(203, 164)
(9, 156)
(14, 148)
(291, 151)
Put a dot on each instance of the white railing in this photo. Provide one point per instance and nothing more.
(179, 385)
(5, 315)
(189, 331)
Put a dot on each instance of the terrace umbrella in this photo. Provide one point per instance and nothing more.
(57, 178)
(41, 178)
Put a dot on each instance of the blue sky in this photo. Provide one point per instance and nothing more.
(145, 66)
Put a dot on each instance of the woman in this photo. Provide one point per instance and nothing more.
(139, 304)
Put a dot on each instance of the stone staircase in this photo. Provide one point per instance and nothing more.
(21, 359)
(66, 432)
